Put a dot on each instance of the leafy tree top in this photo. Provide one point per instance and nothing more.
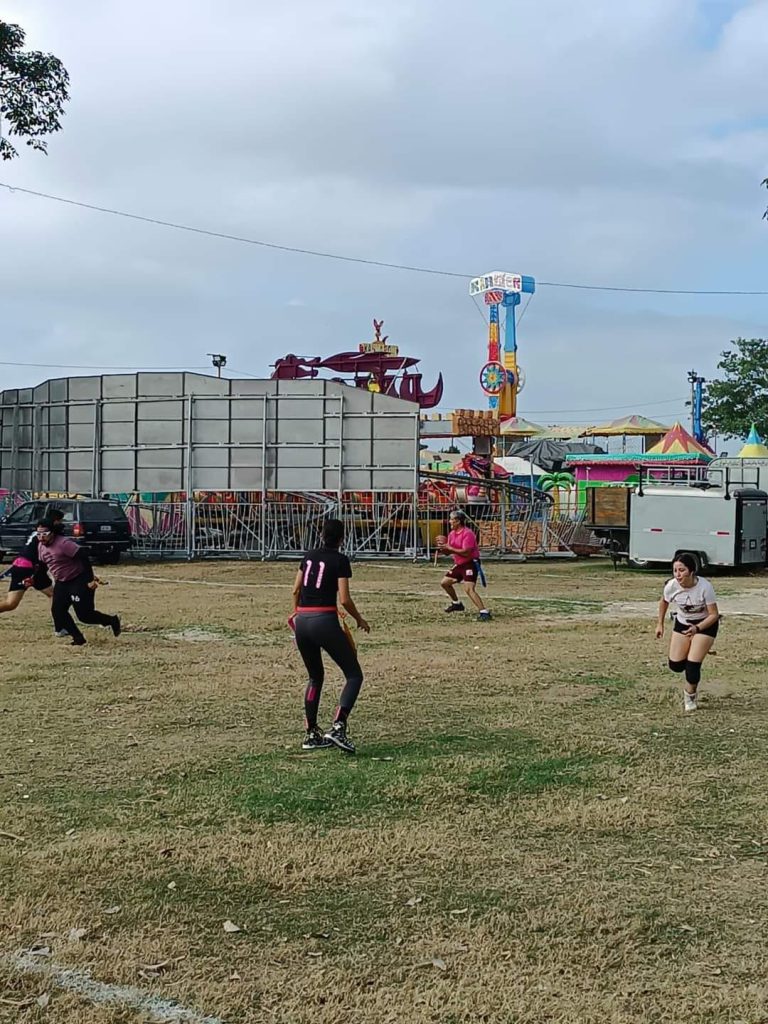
(33, 91)
(739, 397)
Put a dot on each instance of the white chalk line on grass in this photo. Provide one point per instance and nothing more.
(427, 595)
(212, 583)
(600, 609)
(81, 983)
(195, 583)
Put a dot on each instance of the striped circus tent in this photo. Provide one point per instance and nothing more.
(677, 442)
(754, 448)
(627, 426)
(516, 426)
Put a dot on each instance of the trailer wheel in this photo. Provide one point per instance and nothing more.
(699, 557)
(638, 563)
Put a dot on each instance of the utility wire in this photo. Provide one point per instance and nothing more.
(479, 310)
(608, 408)
(132, 369)
(255, 376)
(358, 259)
(524, 310)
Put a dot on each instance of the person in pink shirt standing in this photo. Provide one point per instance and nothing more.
(461, 544)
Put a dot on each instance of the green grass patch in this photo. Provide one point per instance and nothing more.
(385, 781)
(517, 777)
(391, 781)
(328, 788)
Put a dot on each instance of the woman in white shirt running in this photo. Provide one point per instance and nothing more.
(693, 601)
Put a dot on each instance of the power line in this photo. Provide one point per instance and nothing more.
(609, 408)
(254, 376)
(524, 310)
(358, 259)
(244, 373)
(132, 369)
(479, 310)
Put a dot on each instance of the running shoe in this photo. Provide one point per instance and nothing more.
(484, 616)
(454, 606)
(689, 701)
(60, 633)
(116, 627)
(314, 740)
(337, 735)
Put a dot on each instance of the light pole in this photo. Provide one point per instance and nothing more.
(218, 361)
(697, 401)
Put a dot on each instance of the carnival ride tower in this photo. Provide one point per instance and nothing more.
(501, 378)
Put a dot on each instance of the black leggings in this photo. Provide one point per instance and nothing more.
(76, 592)
(317, 632)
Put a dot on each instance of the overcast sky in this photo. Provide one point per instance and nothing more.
(584, 141)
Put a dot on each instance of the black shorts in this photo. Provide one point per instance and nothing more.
(40, 578)
(680, 627)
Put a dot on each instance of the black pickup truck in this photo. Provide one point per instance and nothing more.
(100, 525)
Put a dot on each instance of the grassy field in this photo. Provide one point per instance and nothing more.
(532, 830)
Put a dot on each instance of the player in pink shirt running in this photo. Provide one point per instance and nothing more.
(461, 544)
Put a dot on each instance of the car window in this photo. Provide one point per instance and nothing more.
(67, 507)
(101, 511)
(24, 514)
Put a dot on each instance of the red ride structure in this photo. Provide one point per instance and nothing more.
(376, 366)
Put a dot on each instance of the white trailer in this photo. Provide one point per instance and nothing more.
(720, 525)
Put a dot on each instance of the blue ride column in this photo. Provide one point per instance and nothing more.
(508, 397)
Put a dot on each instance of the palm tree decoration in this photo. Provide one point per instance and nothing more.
(557, 482)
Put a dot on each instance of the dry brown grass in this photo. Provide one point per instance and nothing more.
(532, 831)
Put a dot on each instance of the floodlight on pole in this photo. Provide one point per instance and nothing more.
(697, 403)
(218, 361)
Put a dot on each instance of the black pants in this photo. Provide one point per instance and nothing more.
(317, 632)
(76, 592)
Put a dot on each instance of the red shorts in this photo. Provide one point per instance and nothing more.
(464, 572)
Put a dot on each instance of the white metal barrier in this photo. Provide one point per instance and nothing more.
(378, 525)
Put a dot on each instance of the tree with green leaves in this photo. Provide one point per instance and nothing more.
(33, 91)
(740, 397)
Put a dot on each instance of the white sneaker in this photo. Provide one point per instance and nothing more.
(60, 633)
(689, 701)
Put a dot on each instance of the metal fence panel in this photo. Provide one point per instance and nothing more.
(379, 524)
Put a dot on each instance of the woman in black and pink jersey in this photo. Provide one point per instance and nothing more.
(26, 573)
(323, 577)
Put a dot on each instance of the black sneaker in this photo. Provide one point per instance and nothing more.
(485, 616)
(314, 740)
(454, 606)
(116, 627)
(337, 735)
